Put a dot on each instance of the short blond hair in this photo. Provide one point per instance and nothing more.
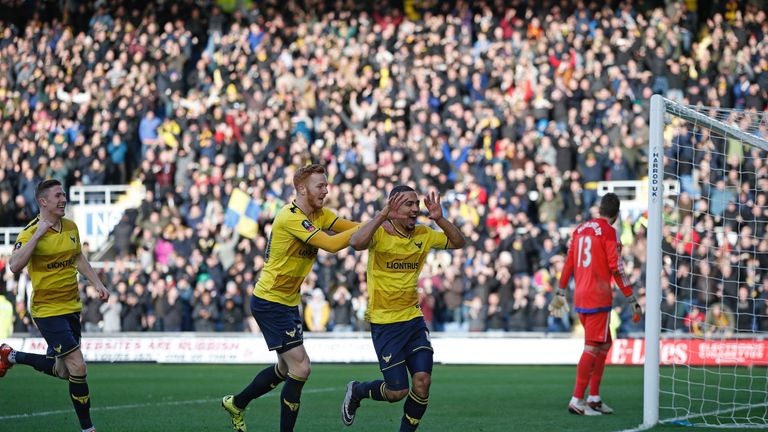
(303, 173)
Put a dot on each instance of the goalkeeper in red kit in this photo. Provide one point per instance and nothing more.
(594, 260)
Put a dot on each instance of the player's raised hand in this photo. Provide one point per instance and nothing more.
(432, 203)
(391, 210)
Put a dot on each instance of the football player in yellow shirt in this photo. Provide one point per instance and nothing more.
(398, 330)
(49, 247)
(298, 231)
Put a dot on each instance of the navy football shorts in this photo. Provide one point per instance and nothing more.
(280, 324)
(402, 348)
(61, 332)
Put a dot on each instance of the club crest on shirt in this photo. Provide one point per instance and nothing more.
(308, 225)
(17, 245)
(73, 238)
(418, 244)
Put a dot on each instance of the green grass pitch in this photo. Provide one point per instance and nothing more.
(152, 397)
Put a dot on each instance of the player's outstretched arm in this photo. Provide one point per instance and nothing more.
(342, 225)
(332, 243)
(84, 267)
(362, 238)
(456, 239)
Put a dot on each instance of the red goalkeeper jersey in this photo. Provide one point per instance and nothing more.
(594, 259)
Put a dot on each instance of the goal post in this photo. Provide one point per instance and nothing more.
(728, 387)
(653, 262)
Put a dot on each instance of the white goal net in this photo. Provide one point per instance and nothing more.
(706, 345)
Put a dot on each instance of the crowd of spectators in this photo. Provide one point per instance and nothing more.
(512, 110)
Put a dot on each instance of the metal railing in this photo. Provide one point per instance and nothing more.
(634, 193)
(7, 237)
(107, 194)
(635, 190)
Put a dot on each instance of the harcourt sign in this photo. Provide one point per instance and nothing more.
(655, 174)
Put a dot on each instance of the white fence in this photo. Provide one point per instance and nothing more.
(634, 193)
(7, 238)
(97, 209)
(112, 194)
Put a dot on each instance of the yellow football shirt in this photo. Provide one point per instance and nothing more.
(394, 265)
(289, 256)
(53, 269)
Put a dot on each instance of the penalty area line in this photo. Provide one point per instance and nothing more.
(145, 405)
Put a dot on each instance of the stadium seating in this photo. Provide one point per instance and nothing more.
(517, 116)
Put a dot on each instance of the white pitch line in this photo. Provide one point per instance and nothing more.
(144, 405)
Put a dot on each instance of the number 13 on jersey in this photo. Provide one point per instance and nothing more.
(585, 252)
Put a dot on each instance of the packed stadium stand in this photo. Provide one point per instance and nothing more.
(517, 112)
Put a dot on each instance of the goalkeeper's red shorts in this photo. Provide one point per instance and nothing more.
(596, 326)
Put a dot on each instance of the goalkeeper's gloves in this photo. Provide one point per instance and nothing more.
(637, 311)
(558, 307)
